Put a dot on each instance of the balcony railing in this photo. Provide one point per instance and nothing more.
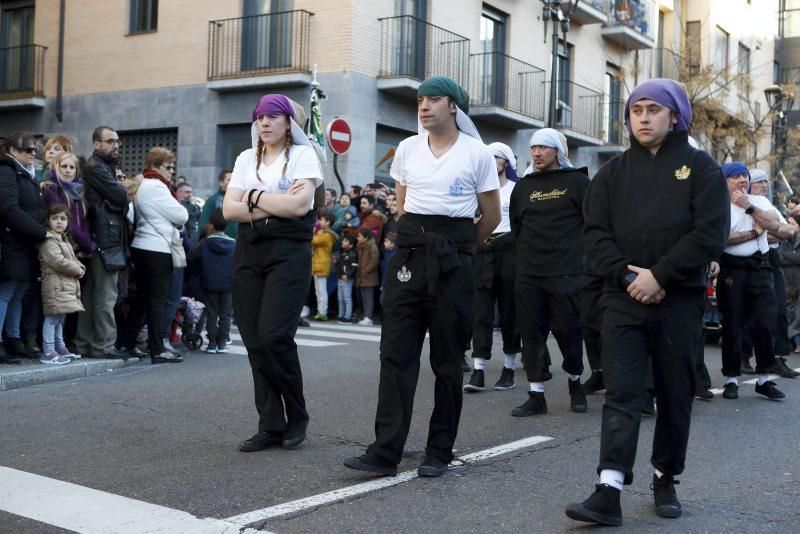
(589, 11)
(579, 109)
(413, 48)
(614, 118)
(22, 71)
(636, 16)
(259, 45)
(506, 82)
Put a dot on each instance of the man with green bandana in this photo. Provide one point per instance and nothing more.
(443, 175)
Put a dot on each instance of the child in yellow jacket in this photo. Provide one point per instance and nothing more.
(321, 249)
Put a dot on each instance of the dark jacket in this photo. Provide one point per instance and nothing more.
(215, 263)
(546, 214)
(669, 213)
(789, 253)
(387, 257)
(22, 210)
(347, 265)
(106, 203)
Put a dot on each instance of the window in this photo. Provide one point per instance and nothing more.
(693, 49)
(613, 105)
(721, 40)
(410, 35)
(789, 19)
(267, 32)
(136, 143)
(562, 78)
(17, 53)
(744, 59)
(144, 16)
(491, 64)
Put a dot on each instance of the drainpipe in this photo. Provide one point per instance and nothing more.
(60, 89)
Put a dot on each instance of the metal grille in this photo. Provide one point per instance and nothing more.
(136, 143)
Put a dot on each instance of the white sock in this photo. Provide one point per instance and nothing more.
(613, 478)
(537, 387)
(761, 379)
(479, 363)
(511, 361)
(574, 377)
(659, 474)
(731, 380)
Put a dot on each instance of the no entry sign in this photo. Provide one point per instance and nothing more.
(339, 138)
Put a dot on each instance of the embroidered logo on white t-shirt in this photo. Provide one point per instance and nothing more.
(456, 190)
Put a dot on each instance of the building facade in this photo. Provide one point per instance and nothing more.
(186, 73)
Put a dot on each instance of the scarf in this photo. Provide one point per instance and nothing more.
(151, 173)
(73, 190)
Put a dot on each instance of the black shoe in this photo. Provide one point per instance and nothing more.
(535, 405)
(475, 382)
(781, 369)
(730, 391)
(747, 369)
(577, 399)
(703, 394)
(594, 384)
(118, 354)
(165, 357)
(432, 467)
(648, 404)
(21, 351)
(303, 323)
(506, 381)
(261, 441)
(32, 349)
(295, 434)
(8, 358)
(666, 502)
(602, 507)
(371, 463)
(136, 353)
(769, 390)
(465, 366)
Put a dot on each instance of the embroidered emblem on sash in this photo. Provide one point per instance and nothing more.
(404, 275)
(284, 184)
(683, 173)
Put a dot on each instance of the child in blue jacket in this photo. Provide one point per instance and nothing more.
(215, 262)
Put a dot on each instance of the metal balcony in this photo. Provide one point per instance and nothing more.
(588, 11)
(632, 24)
(22, 77)
(259, 51)
(579, 113)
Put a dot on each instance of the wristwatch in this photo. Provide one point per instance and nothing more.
(750, 209)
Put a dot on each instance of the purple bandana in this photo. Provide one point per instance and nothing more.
(666, 92)
(273, 104)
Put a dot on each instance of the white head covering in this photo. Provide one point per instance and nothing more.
(504, 151)
(463, 123)
(554, 139)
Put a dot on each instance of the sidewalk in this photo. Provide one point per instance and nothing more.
(31, 372)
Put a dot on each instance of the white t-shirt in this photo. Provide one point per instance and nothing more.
(742, 222)
(448, 185)
(303, 163)
(505, 204)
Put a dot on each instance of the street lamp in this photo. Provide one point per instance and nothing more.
(552, 11)
(780, 101)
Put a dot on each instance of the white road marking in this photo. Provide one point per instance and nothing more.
(339, 335)
(81, 509)
(341, 494)
(718, 391)
(299, 340)
(346, 328)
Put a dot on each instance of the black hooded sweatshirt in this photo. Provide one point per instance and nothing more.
(669, 213)
(547, 221)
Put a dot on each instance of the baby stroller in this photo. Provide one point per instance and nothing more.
(190, 315)
(712, 327)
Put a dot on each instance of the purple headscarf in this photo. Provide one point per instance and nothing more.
(273, 104)
(666, 92)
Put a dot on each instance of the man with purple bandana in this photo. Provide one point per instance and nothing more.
(655, 217)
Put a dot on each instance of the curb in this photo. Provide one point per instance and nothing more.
(32, 374)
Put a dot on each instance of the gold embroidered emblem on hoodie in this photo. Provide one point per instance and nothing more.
(683, 173)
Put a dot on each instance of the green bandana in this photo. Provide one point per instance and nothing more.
(444, 86)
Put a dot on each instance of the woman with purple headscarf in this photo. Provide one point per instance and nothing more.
(271, 195)
(655, 217)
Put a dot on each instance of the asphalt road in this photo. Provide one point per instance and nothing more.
(167, 435)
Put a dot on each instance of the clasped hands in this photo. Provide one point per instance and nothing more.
(645, 288)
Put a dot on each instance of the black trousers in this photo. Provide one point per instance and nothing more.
(409, 311)
(746, 296)
(591, 313)
(780, 332)
(501, 292)
(544, 304)
(270, 283)
(153, 278)
(666, 335)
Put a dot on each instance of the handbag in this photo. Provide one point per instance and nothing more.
(175, 245)
(113, 258)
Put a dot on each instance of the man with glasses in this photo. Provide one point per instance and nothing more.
(107, 205)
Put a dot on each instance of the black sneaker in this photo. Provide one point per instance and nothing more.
(747, 369)
(769, 390)
(594, 384)
(648, 404)
(535, 405)
(781, 369)
(465, 366)
(20, 350)
(602, 507)
(371, 463)
(118, 354)
(666, 502)
(8, 358)
(506, 381)
(32, 349)
(730, 391)
(432, 467)
(302, 322)
(261, 441)
(295, 434)
(475, 382)
(703, 394)
(577, 398)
